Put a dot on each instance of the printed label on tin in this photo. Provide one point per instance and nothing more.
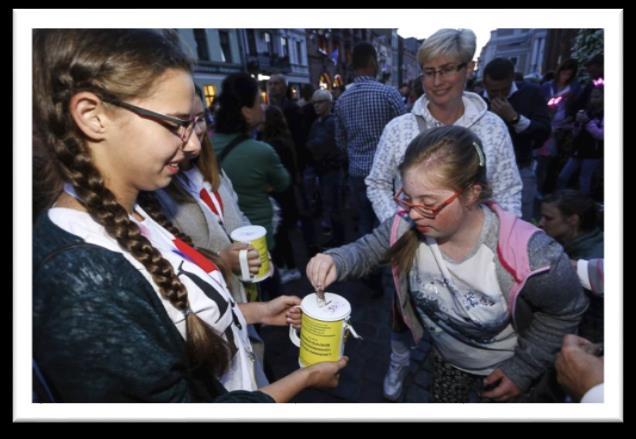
(320, 341)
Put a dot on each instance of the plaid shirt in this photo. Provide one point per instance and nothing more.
(362, 112)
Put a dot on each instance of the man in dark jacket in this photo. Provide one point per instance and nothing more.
(327, 161)
(523, 108)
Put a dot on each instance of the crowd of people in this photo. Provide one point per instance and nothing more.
(478, 210)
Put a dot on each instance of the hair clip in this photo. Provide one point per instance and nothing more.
(480, 154)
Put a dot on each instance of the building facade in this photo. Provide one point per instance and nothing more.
(330, 55)
(218, 53)
(524, 47)
(277, 51)
(407, 52)
(558, 47)
(320, 57)
(386, 43)
(260, 52)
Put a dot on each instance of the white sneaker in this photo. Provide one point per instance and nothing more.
(394, 380)
(288, 275)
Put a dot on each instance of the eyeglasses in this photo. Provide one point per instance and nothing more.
(182, 128)
(444, 71)
(426, 211)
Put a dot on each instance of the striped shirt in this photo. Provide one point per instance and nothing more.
(362, 112)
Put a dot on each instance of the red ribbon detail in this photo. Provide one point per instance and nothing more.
(205, 196)
(193, 255)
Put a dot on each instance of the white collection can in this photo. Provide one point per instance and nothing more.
(324, 329)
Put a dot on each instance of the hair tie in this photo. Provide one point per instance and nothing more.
(187, 311)
(480, 154)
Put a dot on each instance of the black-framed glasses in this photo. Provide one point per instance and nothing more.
(429, 212)
(182, 128)
(444, 71)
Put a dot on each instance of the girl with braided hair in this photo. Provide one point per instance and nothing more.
(125, 309)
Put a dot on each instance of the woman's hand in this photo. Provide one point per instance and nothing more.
(284, 310)
(230, 256)
(326, 374)
(319, 375)
(503, 390)
(321, 271)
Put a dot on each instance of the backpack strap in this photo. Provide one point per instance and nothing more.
(421, 123)
(230, 146)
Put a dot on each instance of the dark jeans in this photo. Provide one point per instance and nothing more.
(283, 254)
(529, 192)
(332, 198)
(330, 195)
(367, 220)
(269, 288)
(309, 208)
(586, 167)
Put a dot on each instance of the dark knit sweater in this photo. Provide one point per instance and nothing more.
(101, 333)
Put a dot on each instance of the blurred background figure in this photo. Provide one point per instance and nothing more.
(276, 133)
(586, 156)
(254, 167)
(575, 221)
(328, 166)
(522, 106)
(405, 91)
(416, 90)
(362, 112)
(561, 94)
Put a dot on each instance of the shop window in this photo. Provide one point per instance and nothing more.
(226, 50)
(209, 91)
(251, 41)
(299, 49)
(202, 44)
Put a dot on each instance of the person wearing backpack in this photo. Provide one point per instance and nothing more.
(254, 167)
(494, 294)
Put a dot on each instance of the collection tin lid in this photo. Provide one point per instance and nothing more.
(335, 308)
(248, 233)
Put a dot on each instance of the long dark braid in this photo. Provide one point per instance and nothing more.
(70, 61)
